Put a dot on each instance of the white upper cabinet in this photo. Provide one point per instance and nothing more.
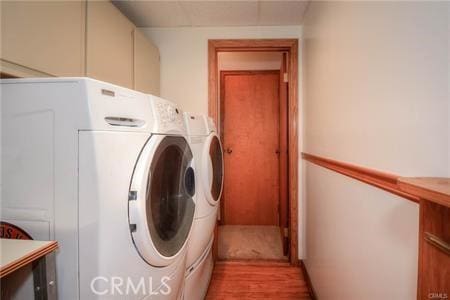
(109, 44)
(44, 36)
(76, 38)
(146, 65)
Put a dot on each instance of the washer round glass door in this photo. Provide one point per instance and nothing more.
(160, 205)
(212, 171)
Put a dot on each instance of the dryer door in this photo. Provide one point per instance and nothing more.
(212, 169)
(160, 205)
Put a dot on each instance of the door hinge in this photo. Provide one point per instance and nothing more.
(285, 77)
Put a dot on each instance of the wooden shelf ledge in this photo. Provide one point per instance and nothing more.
(430, 188)
(383, 180)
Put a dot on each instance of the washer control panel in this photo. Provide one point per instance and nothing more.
(169, 114)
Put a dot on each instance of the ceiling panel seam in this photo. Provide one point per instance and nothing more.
(188, 16)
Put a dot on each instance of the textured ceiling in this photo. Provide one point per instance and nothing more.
(212, 13)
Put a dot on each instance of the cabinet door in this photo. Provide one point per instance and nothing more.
(434, 253)
(109, 48)
(44, 36)
(146, 64)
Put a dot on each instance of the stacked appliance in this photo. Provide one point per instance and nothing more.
(208, 160)
(109, 174)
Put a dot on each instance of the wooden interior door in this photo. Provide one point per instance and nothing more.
(250, 119)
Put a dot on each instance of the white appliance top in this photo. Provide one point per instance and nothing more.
(89, 104)
(196, 124)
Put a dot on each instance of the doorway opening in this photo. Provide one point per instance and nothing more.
(253, 100)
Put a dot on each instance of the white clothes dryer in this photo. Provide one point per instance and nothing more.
(199, 276)
(105, 171)
(208, 160)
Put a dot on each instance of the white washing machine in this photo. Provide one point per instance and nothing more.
(105, 171)
(208, 158)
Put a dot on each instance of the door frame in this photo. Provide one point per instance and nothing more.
(266, 45)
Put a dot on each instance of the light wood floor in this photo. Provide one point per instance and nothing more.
(247, 280)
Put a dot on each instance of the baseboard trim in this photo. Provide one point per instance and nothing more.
(308, 280)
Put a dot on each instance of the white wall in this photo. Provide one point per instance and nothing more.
(375, 94)
(184, 65)
(249, 60)
(448, 79)
(184, 58)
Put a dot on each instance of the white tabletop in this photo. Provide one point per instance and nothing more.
(15, 254)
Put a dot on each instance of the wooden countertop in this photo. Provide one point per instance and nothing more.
(15, 254)
(433, 189)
